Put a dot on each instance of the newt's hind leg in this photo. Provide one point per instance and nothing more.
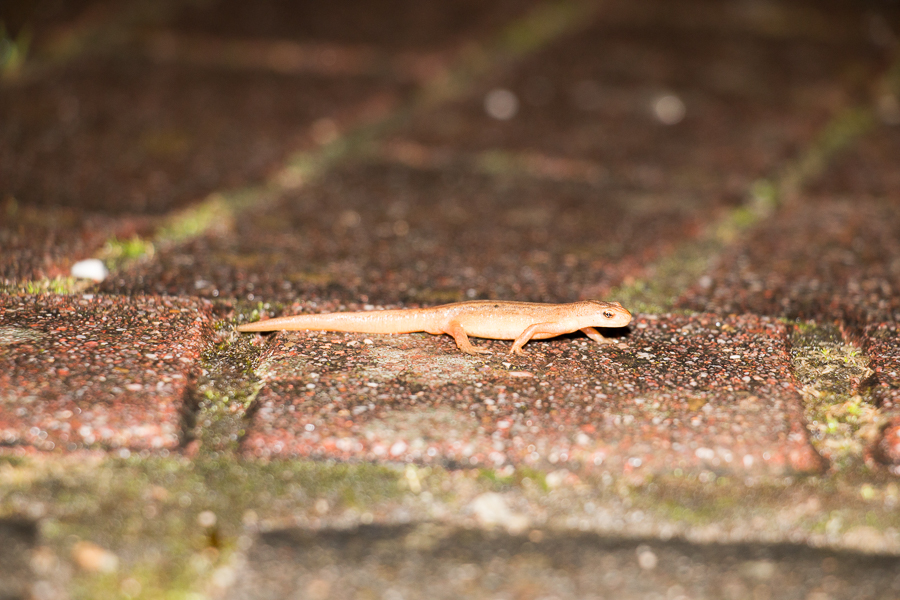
(462, 339)
(544, 330)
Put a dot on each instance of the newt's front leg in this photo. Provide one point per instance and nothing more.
(595, 335)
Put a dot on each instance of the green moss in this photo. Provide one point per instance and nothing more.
(509, 478)
(547, 22)
(672, 275)
(764, 194)
(499, 162)
(146, 510)
(438, 296)
(119, 253)
(197, 220)
(810, 503)
(225, 390)
(7, 460)
(842, 420)
(838, 134)
(56, 285)
(248, 312)
(13, 52)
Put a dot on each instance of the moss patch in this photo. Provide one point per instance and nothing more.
(13, 51)
(117, 253)
(224, 393)
(56, 285)
(167, 522)
(842, 420)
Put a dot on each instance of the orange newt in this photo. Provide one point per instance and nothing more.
(497, 320)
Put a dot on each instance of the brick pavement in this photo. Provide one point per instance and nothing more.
(731, 407)
(90, 372)
(726, 169)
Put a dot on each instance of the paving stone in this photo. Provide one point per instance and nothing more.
(667, 105)
(38, 243)
(392, 24)
(125, 135)
(40, 19)
(831, 256)
(887, 449)
(882, 345)
(19, 540)
(824, 258)
(382, 233)
(416, 561)
(587, 121)
(586, 186)
(866, 168)
(809, 20)
(132, 138)
(685, 393)
(828, 260)
(97, 372)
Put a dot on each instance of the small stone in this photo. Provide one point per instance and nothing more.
(94, 559)
(556, 478)
(207, 518)
(92, 268)
(647, 559)
(669, 109)
(501, 104)
(491, 509)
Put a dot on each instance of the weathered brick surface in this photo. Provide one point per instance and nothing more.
(686, 393)
(392, 25)
(831, 256)
(96, 372)
(133, 136)
(659, 101)
(43, 243)
(382, 233)
(882, 344)
(827, 259)
(105, 145)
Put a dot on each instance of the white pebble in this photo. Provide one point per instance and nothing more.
(491, 509)
(207, 518)
(669, 109)
(501, 104)
(92, 268)
(647, 559)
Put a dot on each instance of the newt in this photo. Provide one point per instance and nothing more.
(497, 320)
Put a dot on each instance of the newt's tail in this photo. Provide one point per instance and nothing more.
(376, 321)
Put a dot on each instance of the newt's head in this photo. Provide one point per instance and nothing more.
(594, 313)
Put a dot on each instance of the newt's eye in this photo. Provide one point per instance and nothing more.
(608, 314)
